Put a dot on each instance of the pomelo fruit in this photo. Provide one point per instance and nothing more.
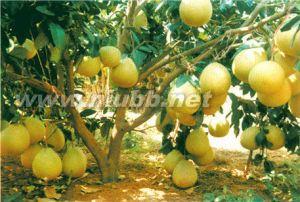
(29, 154)
(214, 101)
(294, 81)
(89, 66)
(218, 127)
(197, 142)
(215, 79)
(288, 42)
(279, 98)
(110, 56)
(287, 62)
(160, 124)
(275, 136)
(184, 98)
(140, 20)
(55, 137)
(185, 174)
(206, 159)
(294, 105)
(172, 159)
(15, 139)
(125, 75)
(266, 77)
(248, 138)
(195, 12)
(30, 48)
(36, 129)
(184, 119)
(74, 162)
(47, 164)
(210, 110)
(246, 60)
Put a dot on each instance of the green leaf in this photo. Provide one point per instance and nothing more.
(297, 67)
(58, 35)
(268, 166)
(257, 159)
(44, 10)
(87, 112)
(182, 79)
(19, 52)
(290, 23)
(138, 57)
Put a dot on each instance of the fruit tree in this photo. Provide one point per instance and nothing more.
(178, 58)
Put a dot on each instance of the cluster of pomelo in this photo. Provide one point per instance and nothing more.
(276, 81)
(184, 173)
(37, 145)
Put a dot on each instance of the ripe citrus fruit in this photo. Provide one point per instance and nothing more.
(215, 79)
(246, 60)
(89, 66)
(206, 159)
(184, 99)
(125, 75)
(110, 56)
(266, 77)
(30, 48)
(275, 136)
(172, 159)
(287, 62)
(185, 174)
(215, 101)
(248, 138)
(280, 97)
(218, 127)
(197, 142)
(160, 124)
(140, 20)
(47, 164)
(29, 154)
(74, 162)
(15, 139)
(36, 129)
(55, 137)
(184, 119)
(195, 12)
(294, 81)
(294, 105)
(288, 42)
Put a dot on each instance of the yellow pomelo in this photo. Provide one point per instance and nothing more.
(215, 79)
(294, 105)
(195, 12)
(284, 41)
(15, 139)
(4, 124)
(210, 110)
(125, 75)
(110, 56)
(185, 174)
(47, 164)
(294, 81)
(266, 77)
(140, 20)
(287, 62)
(29, 154)
(160, 124)
(197, 142)
(184, 99)
(246, 60)
(55, 137)
(280, 97)
(214, 101)
(248, 138)
(184, 119)
(30, 48)
(206, 159)
(172, 159)
(275, 136)
(218, 127)
(89, 66)
(74, 162)
(36, 129)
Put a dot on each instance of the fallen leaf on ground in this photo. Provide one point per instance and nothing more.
(51, 193)
(89, 190)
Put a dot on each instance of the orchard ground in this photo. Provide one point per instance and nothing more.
(142, 177)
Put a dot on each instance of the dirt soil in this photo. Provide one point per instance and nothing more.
(142, 177)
